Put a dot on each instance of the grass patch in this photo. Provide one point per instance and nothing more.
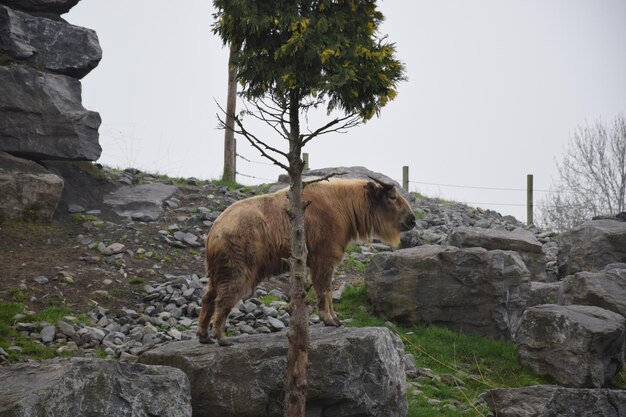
(269, 299)
(467, 365)
(353, 248)
(10, 337)
(136, 281)
(352, 263)
(17, 295)
(231, 185)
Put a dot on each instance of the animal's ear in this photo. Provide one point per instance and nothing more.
(378, 192)
(372, 190)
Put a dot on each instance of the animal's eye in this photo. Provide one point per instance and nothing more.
(393, 197)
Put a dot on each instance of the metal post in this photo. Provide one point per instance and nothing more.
(529, 199)
(405, 178)
(305, 158)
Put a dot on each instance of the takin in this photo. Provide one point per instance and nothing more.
(249, 242)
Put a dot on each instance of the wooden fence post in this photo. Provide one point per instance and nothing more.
(405, 178)
(305, 158)
(529, 199)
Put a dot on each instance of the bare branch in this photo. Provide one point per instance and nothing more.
(343, 123)
(255, 142)
(324, 178)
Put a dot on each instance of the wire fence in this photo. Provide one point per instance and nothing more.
(406, 182)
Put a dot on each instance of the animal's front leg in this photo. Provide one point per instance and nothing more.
(322, 283)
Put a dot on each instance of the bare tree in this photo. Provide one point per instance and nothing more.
(592, 177)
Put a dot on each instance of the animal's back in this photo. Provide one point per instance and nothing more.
(250, 234)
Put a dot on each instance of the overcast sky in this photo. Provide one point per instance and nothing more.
(495, 89)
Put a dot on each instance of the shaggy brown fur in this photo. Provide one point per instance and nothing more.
(250, 242)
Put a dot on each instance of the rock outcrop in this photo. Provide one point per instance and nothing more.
(519, 240)
(28, 191)
(578, 346)
(53, 45)
(592, 246)
(91, 387)
(473, 290)
(57, 7)
(42, 58)
(552, 400)
(351, 372)
(41, 116)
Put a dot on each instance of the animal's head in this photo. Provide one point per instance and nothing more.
(390, 212)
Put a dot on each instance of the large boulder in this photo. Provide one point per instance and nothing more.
(606, 289)
(54, 45)
(352, 372)
(519, 240)
(578, 346)
(552, 401)
(472, 290)
(41, 116)
(544, 293)
(42, 6)
(91, 387)
(29, 192)
(349, 172)
(140, 202)
(592, 246)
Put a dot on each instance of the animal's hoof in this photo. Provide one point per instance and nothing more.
(205, 339)
(224, 342)
(332, 322)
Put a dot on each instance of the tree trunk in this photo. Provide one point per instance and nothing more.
(297, 354)
(230, 152)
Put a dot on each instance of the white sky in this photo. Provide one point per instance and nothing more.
(495, 88)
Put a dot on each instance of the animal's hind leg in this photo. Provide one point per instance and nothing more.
(228, 297)
(206, 313)
(322, 283)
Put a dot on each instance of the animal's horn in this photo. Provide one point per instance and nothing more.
(385, 185)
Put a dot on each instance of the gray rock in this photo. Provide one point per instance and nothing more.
(592, 246)
(54, 45)
(544, 293)
(48, 334)
(66, 329)
(112, 249)
(606, 289)
(90, 387)
(25, 327)
(473, 290)
(42, 117)
(41, 280)
(46, 6)
(578, 346)
(352, 372)
(519, 240)
(552, 400)
(188, 238)
(28, 191)
(146, 199)
(275, 324)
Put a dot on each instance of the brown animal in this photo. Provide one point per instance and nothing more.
(250, 241)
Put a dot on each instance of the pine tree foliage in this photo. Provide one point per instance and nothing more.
(321, 51)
